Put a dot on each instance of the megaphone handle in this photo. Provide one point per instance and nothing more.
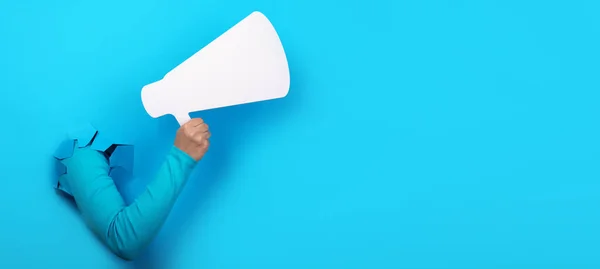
(182, 118)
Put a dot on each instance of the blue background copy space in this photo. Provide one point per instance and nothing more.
(416, 134)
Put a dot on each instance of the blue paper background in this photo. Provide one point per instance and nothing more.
(417, 134)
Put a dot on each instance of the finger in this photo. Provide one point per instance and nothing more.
(204, 136)
(193, 122)
(197, 122)
(200, 137)
(193, 131)
(202, 127)
(188, 127)
(205, 144)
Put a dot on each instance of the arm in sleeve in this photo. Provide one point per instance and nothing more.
(125, 229)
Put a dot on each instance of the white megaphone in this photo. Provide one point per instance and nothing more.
(245, 64)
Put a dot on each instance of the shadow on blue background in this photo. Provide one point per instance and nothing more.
(417, 134)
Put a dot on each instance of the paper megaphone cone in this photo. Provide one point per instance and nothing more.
(245, 64)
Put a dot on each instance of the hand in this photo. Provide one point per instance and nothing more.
(192, 138)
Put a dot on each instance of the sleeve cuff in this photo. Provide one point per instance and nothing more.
(185, 159)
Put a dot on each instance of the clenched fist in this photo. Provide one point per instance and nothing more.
(192, 138)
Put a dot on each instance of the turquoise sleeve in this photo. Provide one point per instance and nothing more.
(125, 229)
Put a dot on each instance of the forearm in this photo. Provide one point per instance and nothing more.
(126, 230)
(132, 229)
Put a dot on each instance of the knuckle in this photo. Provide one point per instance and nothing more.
(197, 138)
